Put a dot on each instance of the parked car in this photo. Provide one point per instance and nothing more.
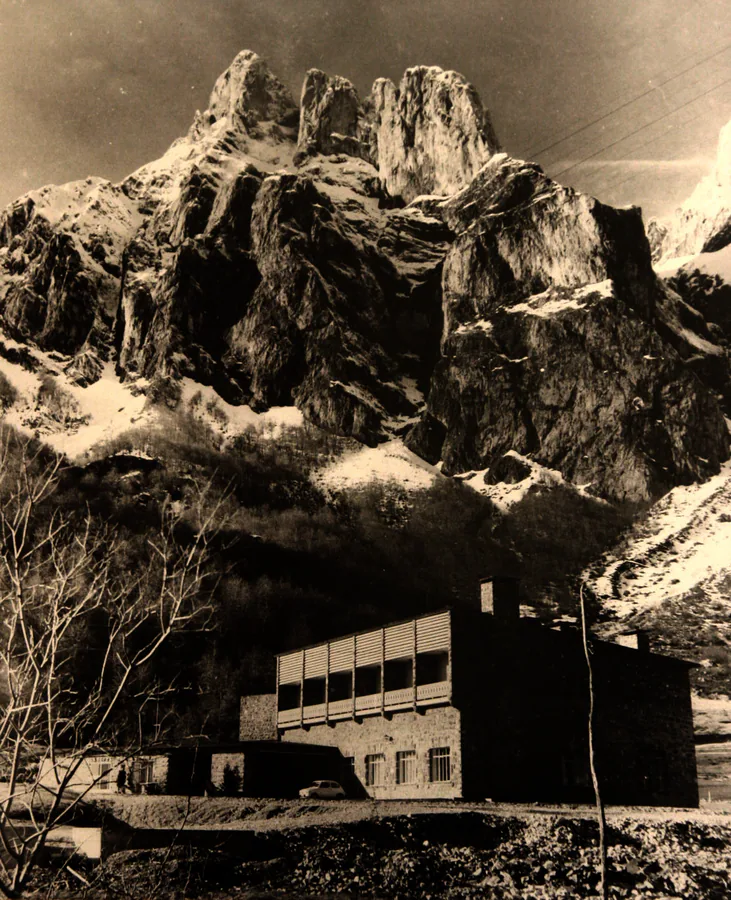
(323, 790)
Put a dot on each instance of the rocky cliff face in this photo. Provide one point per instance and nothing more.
(703, 223)
(431, 135)
(61, 254)
(383, 267)
(551, 345)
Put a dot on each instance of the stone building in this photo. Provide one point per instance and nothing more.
(486, 704)
(145, 772)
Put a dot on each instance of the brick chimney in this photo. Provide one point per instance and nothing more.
(500, 597)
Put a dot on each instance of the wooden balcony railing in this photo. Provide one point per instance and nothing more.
(437, 691)
(370, 704)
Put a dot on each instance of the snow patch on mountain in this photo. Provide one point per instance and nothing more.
(68, 417)
(228, 420)
(388, 462)
(717, 263)
(683, 543)
(108, 408)
(505, 494)
(703, 222)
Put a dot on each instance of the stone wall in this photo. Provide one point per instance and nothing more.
(258, 718)
(219, 761)
(402, 731)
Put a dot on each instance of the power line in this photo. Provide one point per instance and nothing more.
(638, 130)
(671, 26)
(623, 177)
(653, 140)
(616, 109)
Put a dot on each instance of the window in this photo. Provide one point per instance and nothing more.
(103, 776)
(349, 765)
(406, 767)
(367, 680)
(313, 691)
(340, 686)
(440, 764)
(432, 667)
(142, 771)
(375, 769)
(289, 696)
(398, 674)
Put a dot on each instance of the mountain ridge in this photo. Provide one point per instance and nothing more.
(253, 258)
(382, 270)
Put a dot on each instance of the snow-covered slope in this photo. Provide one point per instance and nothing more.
(48, 403)
(703, 222)
(682, 544)
(390, 462)
(712, 263)
(670, 575)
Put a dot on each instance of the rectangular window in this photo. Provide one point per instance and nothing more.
(289, 696)
(142, 771)
(440, 764)
(431, 668)
(398, 674)
(340, 686)
(406, 767)
(103, 776)
(367, 680)
(313, 691)
(375, 764)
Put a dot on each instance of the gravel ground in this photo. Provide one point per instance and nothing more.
(245, 813)
(455, 852)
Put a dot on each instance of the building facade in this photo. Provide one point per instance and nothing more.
(485, 704)
(97, 772)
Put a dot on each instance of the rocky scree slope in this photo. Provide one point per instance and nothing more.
(385, 268)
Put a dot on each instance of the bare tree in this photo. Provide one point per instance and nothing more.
(603, 883)
(61, 580)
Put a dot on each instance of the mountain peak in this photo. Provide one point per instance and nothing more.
(284, 265)
(432, 134)
(246, 94)
(703, 223)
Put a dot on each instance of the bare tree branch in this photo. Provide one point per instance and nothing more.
(56, 574)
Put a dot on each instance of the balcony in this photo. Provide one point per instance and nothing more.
(370, 703)
(340, 709)
(315, 712)
(289, 716)
(433, 694)
(399, 699)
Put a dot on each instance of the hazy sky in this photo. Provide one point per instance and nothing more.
(102, 86)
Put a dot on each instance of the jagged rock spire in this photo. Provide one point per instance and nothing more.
(431, 135)
(245, 94)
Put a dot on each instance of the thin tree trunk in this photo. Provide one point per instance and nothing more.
(603, 885)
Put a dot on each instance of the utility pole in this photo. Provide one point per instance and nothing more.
(603, 886)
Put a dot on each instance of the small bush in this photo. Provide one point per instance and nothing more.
(164, 391)
(216, 413)
(8, 394)
(231, 784)
(59, 403)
